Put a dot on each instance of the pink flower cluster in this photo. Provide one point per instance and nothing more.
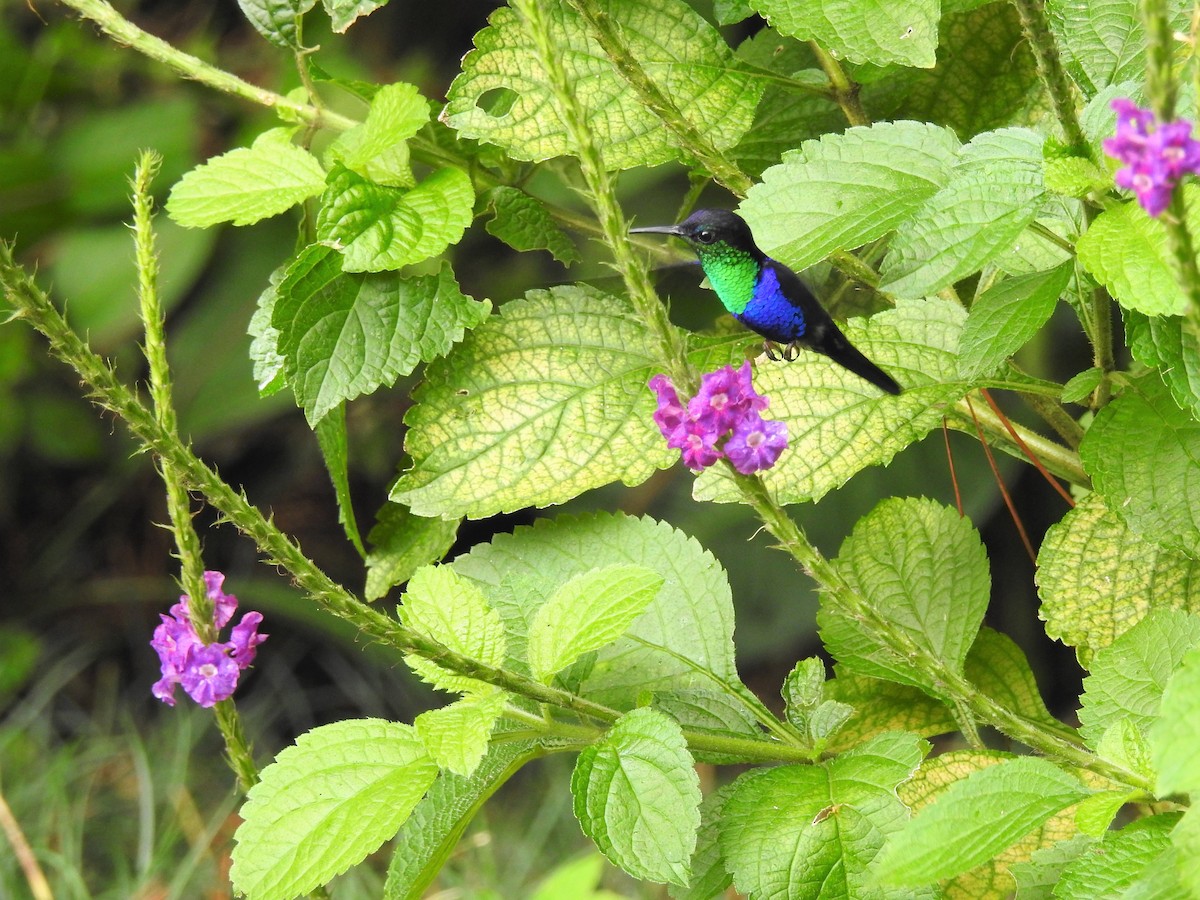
(1154, 156)
(208, 672)
(725, 409)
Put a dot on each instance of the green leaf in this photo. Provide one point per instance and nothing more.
(1128, 677)
(576, 878)
(331, 437)
(881, 31)
(1162, 879)
(1037, 877)
(269, 365)
(709, 877)
(841, 191)
(644, 755)
(986, 76)
(443, 605)
(881, 706)
(326, 802)
(923, 567)
(1185, 856)
(1109, 866)
(976, 818)
(803, 690)
(839, 424)
(1006, 316)
(588, 612)
(695, 68)
(992, 194)
(812, 830)
(430, 833)
(1142, 453)
(1126, 251)
(541, 403)
(457, 735)
(999, 668)
(345, 12)
(785, 116)
(991, 877)
(277, 20)
(1176, 733)
(401, 543)
(379, 228)
(345, 335)
(1125, 743)
(524, 223)
(376, 149)
(1171, 344)
(1095, 814)
(1097, 578)
(682, 642)
(1104, 40)
(247, 184)
(1080, 387)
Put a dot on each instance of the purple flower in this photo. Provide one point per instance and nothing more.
(756, 444)
(207, 672)
(211, 675)
(669, 415)
(1154, 157)
(726, 408)
(698, 443)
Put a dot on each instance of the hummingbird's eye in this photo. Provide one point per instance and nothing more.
(706, 236)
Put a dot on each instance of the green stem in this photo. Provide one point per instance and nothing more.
(1050, 68)
(1055, 740)
(843, 90)
(600, 189)
(1056, 417)
(125, 32)
(1160, 53)
(1057, 459)
(32, 305)
(179, 503)
(187, 542)
(691, 138)
(1103, 356)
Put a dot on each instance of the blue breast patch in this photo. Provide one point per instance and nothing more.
(770, 313)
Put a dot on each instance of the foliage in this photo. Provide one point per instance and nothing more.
(610, 636)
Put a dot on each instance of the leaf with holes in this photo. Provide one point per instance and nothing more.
(685, 56)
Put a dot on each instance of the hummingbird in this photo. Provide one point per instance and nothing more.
(765, 295)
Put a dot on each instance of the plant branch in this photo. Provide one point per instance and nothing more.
(1055, 740)
(601, 194)
(1050, 68)
(691, 138)
(843, 90)
(1058, 459)
(125, 32)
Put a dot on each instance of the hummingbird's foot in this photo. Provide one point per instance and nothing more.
(769, 348)
(790, 351)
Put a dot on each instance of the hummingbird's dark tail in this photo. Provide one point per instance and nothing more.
(842, 352)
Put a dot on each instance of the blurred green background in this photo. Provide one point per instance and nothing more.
(121, 796)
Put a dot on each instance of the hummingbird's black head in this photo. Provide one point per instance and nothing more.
(707, 228)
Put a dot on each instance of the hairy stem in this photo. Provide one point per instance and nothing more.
(1058, 459)
(691, 138)
(1050, 68)
(602, 195)
(1055, 740)
(179, 504)
(125, 32)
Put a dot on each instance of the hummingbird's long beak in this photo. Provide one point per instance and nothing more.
(657, 229)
